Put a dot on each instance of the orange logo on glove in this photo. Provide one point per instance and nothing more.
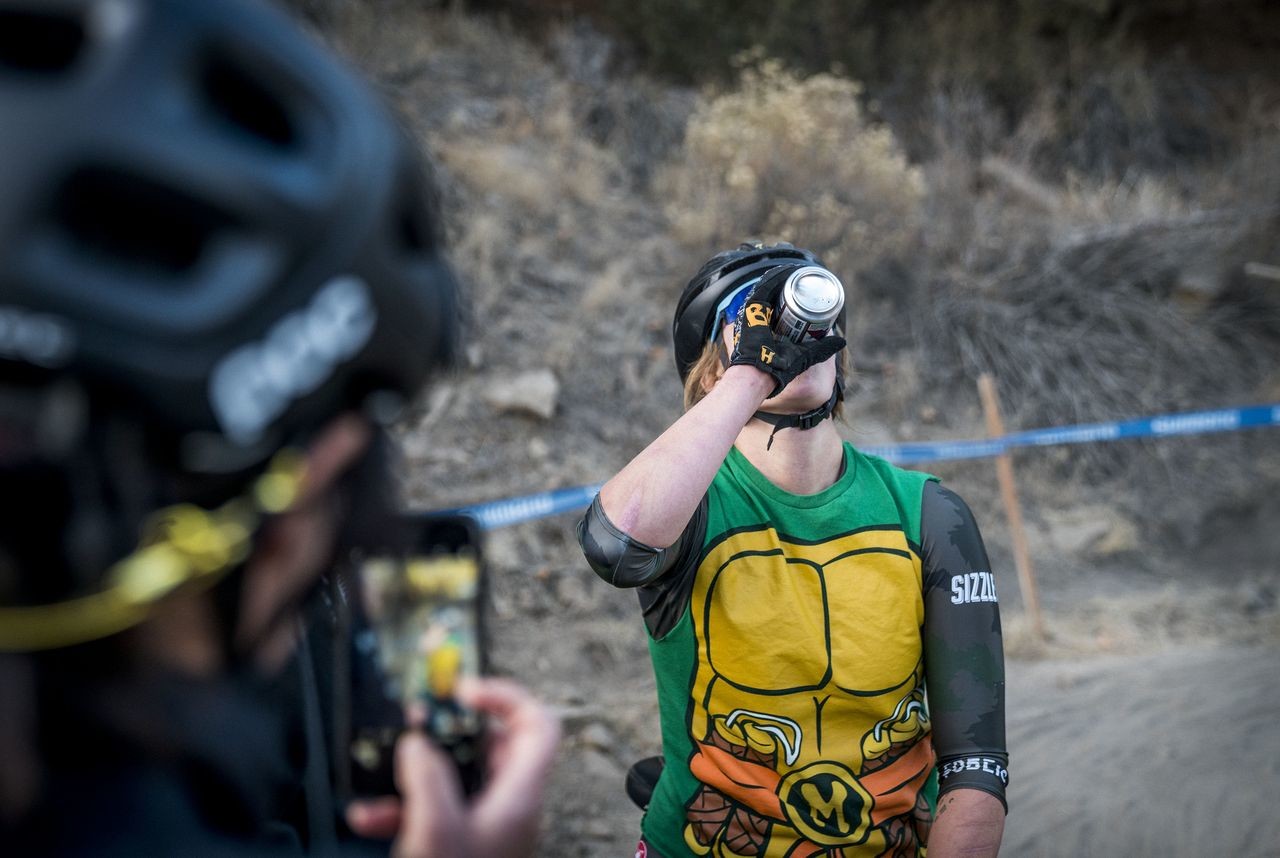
(766, 355)
(758, 314)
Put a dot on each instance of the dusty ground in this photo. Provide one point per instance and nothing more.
(1169, 753)
(1145, 726)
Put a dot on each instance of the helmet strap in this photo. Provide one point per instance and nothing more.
(804, 421)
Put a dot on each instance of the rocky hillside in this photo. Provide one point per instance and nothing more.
(1094, 224)
(578, 197)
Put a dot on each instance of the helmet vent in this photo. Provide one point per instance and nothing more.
(134, 222)
(241, 100)
(39, 42)
(413, 228)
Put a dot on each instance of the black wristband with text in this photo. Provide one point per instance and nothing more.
(987, 772)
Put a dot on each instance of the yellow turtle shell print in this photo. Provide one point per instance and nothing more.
(808, 700)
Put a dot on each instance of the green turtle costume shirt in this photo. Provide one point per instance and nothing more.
(791, 644)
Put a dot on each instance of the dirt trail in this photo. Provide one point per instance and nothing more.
(1174, 753)
(1161, 755)
(1130, 733)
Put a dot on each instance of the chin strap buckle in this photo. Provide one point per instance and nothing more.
(800, 421)
(812, 418)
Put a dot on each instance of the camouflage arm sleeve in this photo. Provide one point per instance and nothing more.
(963, 650)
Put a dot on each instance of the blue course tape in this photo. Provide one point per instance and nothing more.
(516, 510)
(1188, 423)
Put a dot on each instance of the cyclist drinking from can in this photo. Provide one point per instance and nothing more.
(823, 625)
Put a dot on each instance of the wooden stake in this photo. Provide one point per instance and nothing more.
(1012, 509)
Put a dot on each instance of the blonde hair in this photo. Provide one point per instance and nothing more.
(708, 368)
(703, 375)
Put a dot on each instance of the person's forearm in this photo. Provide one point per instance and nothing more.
(968, 823)
(653, 497)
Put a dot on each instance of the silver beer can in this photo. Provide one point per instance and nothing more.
(811, 301)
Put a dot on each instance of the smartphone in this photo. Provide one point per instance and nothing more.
(415, 617)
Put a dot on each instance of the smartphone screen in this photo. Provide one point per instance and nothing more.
(419, 623)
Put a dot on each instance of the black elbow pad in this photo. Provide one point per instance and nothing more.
(616, 557)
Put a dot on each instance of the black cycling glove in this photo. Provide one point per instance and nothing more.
(756, 344)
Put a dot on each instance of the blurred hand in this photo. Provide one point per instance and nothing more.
(431, 819)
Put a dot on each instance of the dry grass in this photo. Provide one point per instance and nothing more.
(579, 201)
(793, 158)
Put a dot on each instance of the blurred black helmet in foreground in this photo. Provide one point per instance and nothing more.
(213, 239)
(202, 211)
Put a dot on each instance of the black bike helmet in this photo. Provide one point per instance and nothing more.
(696, 316)
(206, 214)
(213, 239)
(720, 275)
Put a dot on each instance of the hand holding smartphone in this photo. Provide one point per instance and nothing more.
(416, 620)
(432, 818)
